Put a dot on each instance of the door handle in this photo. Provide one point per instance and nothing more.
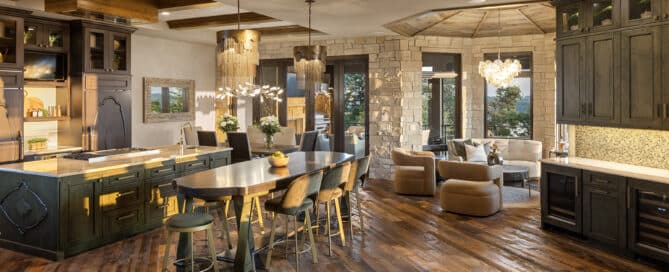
(628, 197)
(664, 111)
(600, 181)
(659, 111)
(125, 194)
(125, 178)
(126, 217)
(159, 171)
(601, 192)
(576, 186)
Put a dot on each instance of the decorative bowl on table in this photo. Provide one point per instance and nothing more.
(278, 159)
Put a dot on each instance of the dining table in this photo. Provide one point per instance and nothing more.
(261, 149)
(243, 181)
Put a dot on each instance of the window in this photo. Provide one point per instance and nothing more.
(508, 111)
(441, 95)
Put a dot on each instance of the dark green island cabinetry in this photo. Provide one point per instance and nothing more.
(61, 207)
(620, 207)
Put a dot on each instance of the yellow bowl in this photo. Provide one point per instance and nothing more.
(278, 162)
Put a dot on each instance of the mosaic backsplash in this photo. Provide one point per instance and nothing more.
(648, 148)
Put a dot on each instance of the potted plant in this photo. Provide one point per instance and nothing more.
(269, 125)
(37, 143)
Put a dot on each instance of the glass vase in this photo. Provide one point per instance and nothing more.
(269, 140)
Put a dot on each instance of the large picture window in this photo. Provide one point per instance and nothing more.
(441, 96)
(508, 110)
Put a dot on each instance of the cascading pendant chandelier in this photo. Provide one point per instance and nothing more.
(309, 62)
(500, 73)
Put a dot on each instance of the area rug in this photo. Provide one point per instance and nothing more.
(516, 197)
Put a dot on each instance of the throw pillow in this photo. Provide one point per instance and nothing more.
(476, 153)
(460, 149)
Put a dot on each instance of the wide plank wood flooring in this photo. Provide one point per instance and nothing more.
(401, 234)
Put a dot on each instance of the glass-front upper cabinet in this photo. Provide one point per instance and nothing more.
(604, 15)
(11, 46)
(120, 52)
(97, 46)
(641, 11)
(45, 36)
(570, 19)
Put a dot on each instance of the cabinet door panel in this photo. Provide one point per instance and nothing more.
(96, 46)
(83, 220)
(113, 122)
(570, 83)
(641, 82)
(648, 219)
(603, 93)
(637, 12)
(604, 216)
(560, 197)
(119, 53)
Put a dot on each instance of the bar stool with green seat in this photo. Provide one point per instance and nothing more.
(331, 192)
(358, 172)
(190, 223)
(297, 199)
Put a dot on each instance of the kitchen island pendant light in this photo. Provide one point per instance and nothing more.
(309, 62)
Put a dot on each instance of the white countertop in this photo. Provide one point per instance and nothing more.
(61, 167)
(613, 168)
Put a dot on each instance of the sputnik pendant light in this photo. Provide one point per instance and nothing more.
(309, 62)
(499, 73)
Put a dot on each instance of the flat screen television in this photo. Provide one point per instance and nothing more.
(44, 66)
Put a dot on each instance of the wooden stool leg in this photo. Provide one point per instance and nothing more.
(340, 222)
(318, 217)
(314, 254)
(226, 227)
(329, 228)
(359, 204)
(350, 214)
(212, 249)
(192, 252)
(170, 236)
(259, 213)
(271, 241)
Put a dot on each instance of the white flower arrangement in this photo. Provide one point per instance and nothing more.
(229, 123)
(270, 125)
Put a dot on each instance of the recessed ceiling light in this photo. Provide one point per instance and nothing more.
(165, 13)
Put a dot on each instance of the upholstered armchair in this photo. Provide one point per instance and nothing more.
(471, 188)
(414, 172)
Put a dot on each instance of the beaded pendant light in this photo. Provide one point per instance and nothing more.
(309, 62)
(237, 56)
(499, 73)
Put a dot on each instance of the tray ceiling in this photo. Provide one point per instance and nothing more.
(517, 19)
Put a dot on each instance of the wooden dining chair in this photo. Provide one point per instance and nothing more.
(357, 174)
(297, 200)
(309, 140)
(207, 138)
(330, 192)
(241, 147)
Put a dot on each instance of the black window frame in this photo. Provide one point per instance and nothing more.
(437, 93)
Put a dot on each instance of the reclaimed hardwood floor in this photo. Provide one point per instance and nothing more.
(401, 234)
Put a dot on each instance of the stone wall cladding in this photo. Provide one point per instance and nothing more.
(395, 95)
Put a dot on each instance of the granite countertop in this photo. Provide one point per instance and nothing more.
(613, 168)
(56, 150)
(61, 167)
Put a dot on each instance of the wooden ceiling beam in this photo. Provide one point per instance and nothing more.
(436, 23)
(185, 4)
(220, 20)
(144, 10)
(531, 21)
(285, 30)
(478, 26)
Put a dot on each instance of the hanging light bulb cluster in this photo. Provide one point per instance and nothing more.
(264, 92)
(309, 62)
(498, 73)
(238, 58)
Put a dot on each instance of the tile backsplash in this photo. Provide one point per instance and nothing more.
(631, 146)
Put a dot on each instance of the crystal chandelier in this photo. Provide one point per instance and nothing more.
(499, 73)
(309, 62)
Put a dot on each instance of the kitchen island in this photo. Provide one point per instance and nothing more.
(60, 207)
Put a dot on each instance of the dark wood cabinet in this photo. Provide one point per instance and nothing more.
(602, 93)
(648, 219)
(560, 197)
(113, 122)
(82, 213)
(570, 103)
(638, 12)
(102, 48)
(665, 75)
(570, 19)
(11, 115)
(604, 211)
(641, 80)
(46, 35)
(11, 42)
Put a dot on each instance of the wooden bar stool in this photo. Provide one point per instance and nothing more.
(359, 169)
(331, 192)
(296, 200)
(191, 223)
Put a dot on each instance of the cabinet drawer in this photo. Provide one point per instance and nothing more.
(162, 171)
(162, 208)
(602, 182)
(122, 222)
(195, 164)
(124, 180)
(121, 196)
(107, 83)
(219, 159)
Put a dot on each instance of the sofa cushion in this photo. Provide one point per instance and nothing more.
(459, 146)
(475, 153)
(524, 150)
(533, 166)
(470, 188)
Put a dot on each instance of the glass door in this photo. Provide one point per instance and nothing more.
(603, 15)
(640, 11)
(96, 55)
(120, 53)
(11, 32)
(441, 97)
(355, 108)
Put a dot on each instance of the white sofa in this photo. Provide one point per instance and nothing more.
(526, 153)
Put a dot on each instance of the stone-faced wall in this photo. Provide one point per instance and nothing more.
(395, 84)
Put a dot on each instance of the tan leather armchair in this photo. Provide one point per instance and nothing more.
(471, 188)
(414, 172)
